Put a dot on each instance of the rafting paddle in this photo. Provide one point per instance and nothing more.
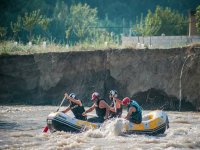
(92, 115)
(114, 105)
(46, 128)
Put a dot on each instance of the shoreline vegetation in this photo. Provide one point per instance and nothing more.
(14, 48)
(82, 26)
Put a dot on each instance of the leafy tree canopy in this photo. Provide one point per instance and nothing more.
(80, 20)
(198, 18)
(71, 19)
(162, 21)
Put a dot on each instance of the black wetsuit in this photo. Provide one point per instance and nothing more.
(77, 111)
(115, 114)
(101, 112)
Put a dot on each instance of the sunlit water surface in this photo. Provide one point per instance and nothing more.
(21, 128)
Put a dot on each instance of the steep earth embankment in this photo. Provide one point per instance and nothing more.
(152, 77)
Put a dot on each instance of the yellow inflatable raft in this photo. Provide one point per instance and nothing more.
(155, 122)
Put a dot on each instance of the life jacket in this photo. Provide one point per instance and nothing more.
(138, 114)
(118, 105)
(101, 112)
(118, 112)
(77, 111)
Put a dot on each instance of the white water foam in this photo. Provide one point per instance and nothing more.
(110, 128)
(183, 133)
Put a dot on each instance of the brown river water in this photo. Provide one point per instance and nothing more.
(21, 128)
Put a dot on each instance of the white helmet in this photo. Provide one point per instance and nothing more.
(72, 95)
(113, 93)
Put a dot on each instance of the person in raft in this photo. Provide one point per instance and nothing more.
(75, 106)
(134, 110)
(102, 109)
(116, 103)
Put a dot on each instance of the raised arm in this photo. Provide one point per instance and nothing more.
(78, 102)
(89, 110)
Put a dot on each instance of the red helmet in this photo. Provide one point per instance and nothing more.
(126, 100)
(95, 95)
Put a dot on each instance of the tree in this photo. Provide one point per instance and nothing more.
(57, 26)
(68, 33)
(172, 22)
(3, 32)
(80, 20)
(139, 28)
(163, 20)
(149, 26)
(197, 15)
(16, 27)
(152, 23)
(30, 20)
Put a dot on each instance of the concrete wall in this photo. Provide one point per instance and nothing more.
(159, 41)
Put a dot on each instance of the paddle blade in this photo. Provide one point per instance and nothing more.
(45, 129)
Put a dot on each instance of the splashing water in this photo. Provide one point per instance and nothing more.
(113, 127)
(110, 128)
(31, 119)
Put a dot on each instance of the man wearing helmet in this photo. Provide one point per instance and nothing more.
(116, 103)
(75, 106)
(134, 110)
(102, 109)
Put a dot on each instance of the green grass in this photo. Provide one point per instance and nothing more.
(10, 48)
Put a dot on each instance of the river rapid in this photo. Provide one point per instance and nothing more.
(21, 128)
